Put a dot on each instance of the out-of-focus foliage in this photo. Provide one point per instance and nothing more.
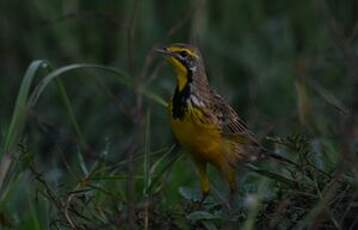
(95, 151)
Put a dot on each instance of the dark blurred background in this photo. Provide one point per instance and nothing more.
(254, 50)
(287, 67)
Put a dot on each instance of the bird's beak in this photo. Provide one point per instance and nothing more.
(165, 51)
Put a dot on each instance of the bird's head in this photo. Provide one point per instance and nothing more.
(186, 60)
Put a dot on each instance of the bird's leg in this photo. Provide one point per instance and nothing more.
(203, 177)
(232, 197)
(229, 173)
(203, 198)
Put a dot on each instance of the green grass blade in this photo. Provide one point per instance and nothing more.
(328, 96)
(169, 158)
(18, 120)
(19, 114)
(146, 174)
(34, 215)
(146, 161)
(82, 163)
(271, 175)
(122, 77)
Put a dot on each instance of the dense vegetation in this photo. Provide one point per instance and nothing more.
(85, 141)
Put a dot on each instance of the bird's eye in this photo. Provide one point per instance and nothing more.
(183, 53)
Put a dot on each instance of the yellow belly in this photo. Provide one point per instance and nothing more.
(206, 144)
(203, 142)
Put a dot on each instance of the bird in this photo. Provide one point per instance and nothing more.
(203, 122)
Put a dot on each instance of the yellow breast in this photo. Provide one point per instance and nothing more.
(202, 141)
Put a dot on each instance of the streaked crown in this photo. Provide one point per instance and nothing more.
(182, 56)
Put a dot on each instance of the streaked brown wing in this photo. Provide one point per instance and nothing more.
(229, 121)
